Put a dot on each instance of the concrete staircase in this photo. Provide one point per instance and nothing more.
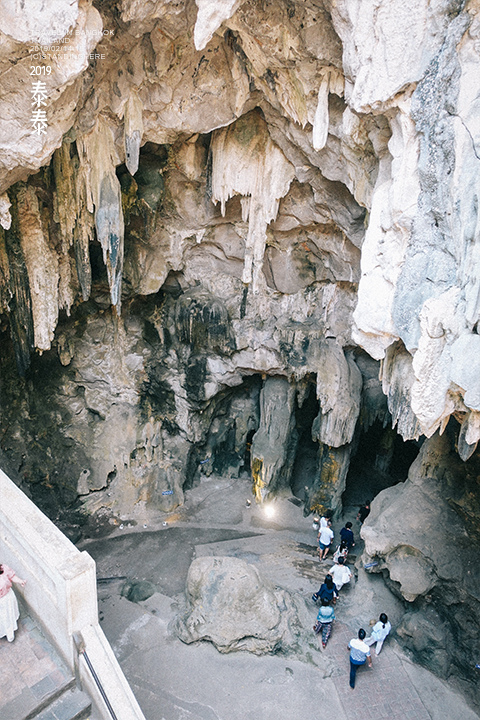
(71, 704)
(36, 684)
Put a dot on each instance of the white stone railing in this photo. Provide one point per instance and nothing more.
(61, 594)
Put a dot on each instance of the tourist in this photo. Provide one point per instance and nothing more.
(364, 512)
(359, 654)
(379, 632)
(340, 552)
(9, 612)
(325, 537)
(327, 591)
(326, 519)
(325, 618)
(340, 573)
(346, 534)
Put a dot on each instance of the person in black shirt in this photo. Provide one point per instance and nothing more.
(364, 512)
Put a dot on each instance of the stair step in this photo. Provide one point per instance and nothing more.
(72, 705)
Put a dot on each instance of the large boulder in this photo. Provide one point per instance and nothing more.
(232, 606)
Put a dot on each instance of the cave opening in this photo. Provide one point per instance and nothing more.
(380, 459)
(306, 457)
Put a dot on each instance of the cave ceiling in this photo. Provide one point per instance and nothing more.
(218, 191)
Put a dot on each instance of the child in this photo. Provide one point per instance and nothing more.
(340, 552)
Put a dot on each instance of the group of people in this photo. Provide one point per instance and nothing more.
(325, 538)
(336, 578)
(338, 575)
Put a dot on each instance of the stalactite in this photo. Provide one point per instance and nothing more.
(397, 378)
(83, 235)
(20, 305)
(75, 221)
(98, 153)
(320, 123)
(5, 292)
(331, 81)
(339, 390)
(65, 208)
(246, 162)
(209, 18)
(42, 266)
(5, 217)
(133, 131)
(202, 322)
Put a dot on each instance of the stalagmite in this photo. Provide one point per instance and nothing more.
(274, 444)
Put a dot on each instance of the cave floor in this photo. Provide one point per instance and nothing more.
(175, 681)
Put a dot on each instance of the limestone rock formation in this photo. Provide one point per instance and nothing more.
(230, 605)
(423, 536)
(240, 237)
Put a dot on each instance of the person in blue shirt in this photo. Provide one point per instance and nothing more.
(346, 534)
(325, 618)
(328, 591)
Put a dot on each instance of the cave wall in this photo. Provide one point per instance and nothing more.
(279, 205)
(423, 536)
(218, 222)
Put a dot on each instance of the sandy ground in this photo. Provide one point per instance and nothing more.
(175, 681)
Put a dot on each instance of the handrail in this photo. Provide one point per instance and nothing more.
(81, 649)
(99, 685)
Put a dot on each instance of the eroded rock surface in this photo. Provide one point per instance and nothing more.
(423, 536)
(233, 607)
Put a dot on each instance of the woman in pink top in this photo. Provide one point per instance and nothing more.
(9, 612)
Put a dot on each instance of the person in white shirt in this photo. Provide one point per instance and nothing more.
(340, 573)
(325, 537)
(379, 631)
(326, 519)
(359, 654)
